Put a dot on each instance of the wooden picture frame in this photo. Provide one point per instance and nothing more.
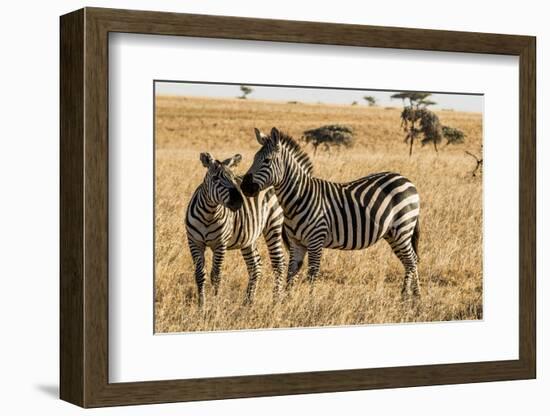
(84, 207)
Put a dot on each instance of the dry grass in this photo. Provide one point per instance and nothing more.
(354, 287)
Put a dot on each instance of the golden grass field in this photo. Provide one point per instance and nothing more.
(354, 287)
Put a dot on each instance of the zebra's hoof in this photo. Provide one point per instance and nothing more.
(406, 295)
(417, 301)
(411, 298)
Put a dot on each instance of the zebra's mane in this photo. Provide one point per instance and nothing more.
(300, 155)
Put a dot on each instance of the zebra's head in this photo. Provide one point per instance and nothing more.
(267, 168)
(220, 182)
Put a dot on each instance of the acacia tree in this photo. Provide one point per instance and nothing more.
(416, 99)
(411, 116)
(418, 121)
(245, 90)
(370, 100)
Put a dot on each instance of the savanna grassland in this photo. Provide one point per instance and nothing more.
(353, 287)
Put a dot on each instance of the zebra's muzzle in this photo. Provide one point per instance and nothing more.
(248, 186)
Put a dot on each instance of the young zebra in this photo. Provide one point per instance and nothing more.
(347, 216)
(220, 218)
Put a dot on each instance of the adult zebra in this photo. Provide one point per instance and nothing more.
(219, 217)
(347, 216)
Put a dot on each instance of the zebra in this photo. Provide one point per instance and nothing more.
(220, 218)
(347, 216)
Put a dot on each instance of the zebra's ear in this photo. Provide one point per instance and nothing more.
(260, 136)
(233, 161)
(275, 134)
(206, 159)
(275, 137)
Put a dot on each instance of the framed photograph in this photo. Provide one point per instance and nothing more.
(255, 207)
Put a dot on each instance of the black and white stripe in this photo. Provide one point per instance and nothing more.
(220, 218)
(347, 216)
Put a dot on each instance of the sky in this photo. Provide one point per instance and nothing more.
(458, 102)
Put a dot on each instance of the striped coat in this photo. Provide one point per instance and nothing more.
(219, 218)
(347, 216)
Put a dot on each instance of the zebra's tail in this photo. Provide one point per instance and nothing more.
(416, 237)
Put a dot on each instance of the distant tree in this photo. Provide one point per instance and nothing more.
(419, 122)
(354, 103)
(370, 100)
(426, 103)
(416, 99)
(453, 136)
(245, 90)
(329, 135)
(415, 118)
(430, 127)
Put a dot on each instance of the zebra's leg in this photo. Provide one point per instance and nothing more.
(217, 262)
(314, 252)
(403, 249)
(297, 254)
(254, 266)
(415, 281)
(277, 257)
(197, 252)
